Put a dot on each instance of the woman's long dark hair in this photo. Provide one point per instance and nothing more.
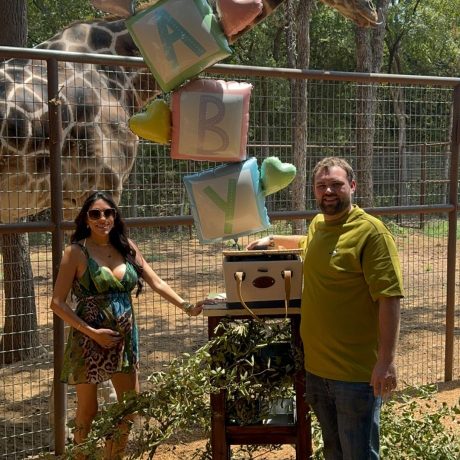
(118, 235)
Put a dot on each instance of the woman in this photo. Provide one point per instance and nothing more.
(101, 267)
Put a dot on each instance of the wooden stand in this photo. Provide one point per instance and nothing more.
(223, 435)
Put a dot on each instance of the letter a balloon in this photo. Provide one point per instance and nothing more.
(178, 39)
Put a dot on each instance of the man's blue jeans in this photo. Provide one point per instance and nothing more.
(349, 416)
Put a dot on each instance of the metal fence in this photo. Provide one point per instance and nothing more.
(415, 188)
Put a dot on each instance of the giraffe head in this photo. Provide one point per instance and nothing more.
(98, 149)
(361, 12)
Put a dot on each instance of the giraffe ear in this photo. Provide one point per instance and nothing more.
(154, 123)
(227, 202)
(122, 8)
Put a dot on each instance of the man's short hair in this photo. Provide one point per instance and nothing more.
(329, 162)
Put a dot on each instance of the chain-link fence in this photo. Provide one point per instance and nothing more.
(413, 171)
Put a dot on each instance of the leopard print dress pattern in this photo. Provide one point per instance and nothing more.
(102, 301)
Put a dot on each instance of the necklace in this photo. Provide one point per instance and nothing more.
(103, 245)
(100, 244)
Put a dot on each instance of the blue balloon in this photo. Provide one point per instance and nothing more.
(227, 201)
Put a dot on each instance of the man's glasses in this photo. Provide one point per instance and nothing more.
(95, 214)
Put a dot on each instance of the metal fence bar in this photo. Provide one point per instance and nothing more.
(230, 69)
(452, 237)
(55, 119)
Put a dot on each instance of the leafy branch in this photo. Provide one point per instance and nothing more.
(238, 360)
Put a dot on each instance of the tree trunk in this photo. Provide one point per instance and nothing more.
(20, 335)
(369, 53)
(13, 30)
(298, 38)
(263, 120)
(399, 105)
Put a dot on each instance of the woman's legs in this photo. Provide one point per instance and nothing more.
(86, 410)
(115, 446)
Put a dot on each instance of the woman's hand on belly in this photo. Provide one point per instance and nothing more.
(106, 338)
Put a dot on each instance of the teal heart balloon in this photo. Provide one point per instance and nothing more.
(276, 175)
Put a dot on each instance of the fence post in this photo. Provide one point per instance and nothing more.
(452, 237)
(55, 120)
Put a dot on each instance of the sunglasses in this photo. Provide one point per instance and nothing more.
(95, 214)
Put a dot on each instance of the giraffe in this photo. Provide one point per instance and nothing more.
(98, 149)
(362, 12)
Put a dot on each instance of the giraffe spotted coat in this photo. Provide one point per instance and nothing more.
(98, 149)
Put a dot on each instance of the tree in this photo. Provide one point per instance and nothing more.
(20, 336)
(369, 58)
(298, 39)
(14, 18)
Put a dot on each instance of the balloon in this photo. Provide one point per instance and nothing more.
(122, 8)
(178, 39)
(227, 201)
(268, 6)
(210, 120)
(362, 12)
(154, 123)
(236, 15)
(276, 175)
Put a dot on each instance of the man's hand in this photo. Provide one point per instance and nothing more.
(264, 242)
(384, 379)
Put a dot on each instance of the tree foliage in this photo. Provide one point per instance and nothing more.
(47, 17)
(428, 35)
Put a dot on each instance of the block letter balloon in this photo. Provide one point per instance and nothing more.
(227, 201)
(210, 120)
(178, 39)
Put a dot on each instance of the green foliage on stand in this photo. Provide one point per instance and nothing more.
(237, 359)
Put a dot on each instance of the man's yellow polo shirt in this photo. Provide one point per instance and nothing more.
(347, 266)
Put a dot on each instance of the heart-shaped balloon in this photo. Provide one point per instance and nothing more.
(276, 175)
(236, 15)
(122, 8)
(154, 123)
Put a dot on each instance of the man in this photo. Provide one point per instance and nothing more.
(350, 314)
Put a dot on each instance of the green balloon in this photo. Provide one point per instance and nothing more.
(276, 175)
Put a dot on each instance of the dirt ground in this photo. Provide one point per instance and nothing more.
(25, 387)
(448, 393)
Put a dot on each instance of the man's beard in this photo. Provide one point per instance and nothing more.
(333, 209)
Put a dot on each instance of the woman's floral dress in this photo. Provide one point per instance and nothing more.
(102, 301)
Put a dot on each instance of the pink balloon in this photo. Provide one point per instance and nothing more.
(236, 15)
(122, 8)
(210, 120)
